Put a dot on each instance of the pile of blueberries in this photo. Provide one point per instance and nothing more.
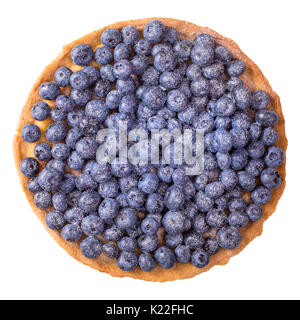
(153, 82)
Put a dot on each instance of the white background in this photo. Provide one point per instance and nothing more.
(32, 265)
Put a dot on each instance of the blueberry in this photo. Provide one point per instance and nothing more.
(42, 151)
(266, 118)
(96, 109)
(143, 46)
(161, 47)
(174, 198)
(173, 124)
(33, 185)
(110, 250)
(233, 83)
(55, 220)
(174, 222)
(236, 68)
(269, 136)
(223, 54)
(204, 38)
(255, 131)
(261, 195)
(156, 122)
(89, 201)
(135, 198)
(111, 37)
(56, 132)
(74, 215)
(177, 101)
(148, 243)
(75, 161)
(49, 91)
(182, 254)
(100, 172)
(128, 104)
(58, 114)
(103, 55)
(146, 262)
(139, 64)
(107, 73)
(182, 49)
(126, 219)
(199, 87)
(125, 86)
(179, 176)
(246, 181)
(148, 183)
(154, 97)
(113, 99)
(82, 54)
(127, 244)
(84, 182)
(239, 159)
(108, 209)
(42, 199)
(31, 132)
(80, 98)
(86, 148)
(165, 61)
(154, 31)
(79, 80)
(256, 150)
(92, 73)
(199, 102)
(62, 76)
(121, 200)
(229, 238)
(255, 167)
(102, 88)
(211, 246)
(92, 225)
(40, 111)
(222, 202)
(165, 257)
(254, 212)
(193, 240)
(50, 179)
(130, 35)
(201, 181)
(64, 104)
(237, 204)
(73, 197)
(122, 69)
(149, 226)
(109, 189)
(240, 120)
(127, 261)
(242, 96)
(59, 201)
(112, 233)
(58, 165)
(214, 190)
(121, 168)
(222, 141)
(229, 178)
(193, 72)
(91, 247)
(60, 151)
(216, 88)
(213, 71)
(170, 80)
(203, 202)
(71, 232)
(122, 51)
(274, 157)
(187, 116)
(238, 219)
(154, 203)
(204, 122)
(261, 100)
(170, 35)
(225, 107)
(216, 218)
(74, 117)
(270, 178)
(202, 54)
(200, 258)
(224, 160)
(199, 223)
(173, 240)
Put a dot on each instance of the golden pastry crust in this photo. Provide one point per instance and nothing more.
(254, 79)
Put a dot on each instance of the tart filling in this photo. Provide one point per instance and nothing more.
(152, 221)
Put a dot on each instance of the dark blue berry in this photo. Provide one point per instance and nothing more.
(223, 54)
(82, 54)
(127, 261)
(110, 250)
(50, 179)
(229, 238)
(42, 151)
(130, 35)
(203, 202)
(103, 55)
(79, 80)
(74, 215)
(261, 195)
(62, 76)
(267, 118)
(202, 54)
(127, 244)
(236, 68)
(148, 243)
(204, 38)
(91, 247)
(31, 132)
(261, 100)
(71, 232)
(200, 258)
(59, 201)
(42, 199)
(242, 96)
(92, 73)
(55, 220)
(89, 201)
(154, 31)
(270, 178)
(80, 98)
(146, 262)
(40, 111)
(254, 212)
(75, 161)
(111, 37)
(102, 87)
(238, 219)
(49, 91)
(122, 69)
(56, 132)
(143, 46)
(109, 189)
(165, 257)
(274, 157)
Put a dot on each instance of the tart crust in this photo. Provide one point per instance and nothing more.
(253, 78)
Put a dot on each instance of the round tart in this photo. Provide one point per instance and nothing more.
(252, 77)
